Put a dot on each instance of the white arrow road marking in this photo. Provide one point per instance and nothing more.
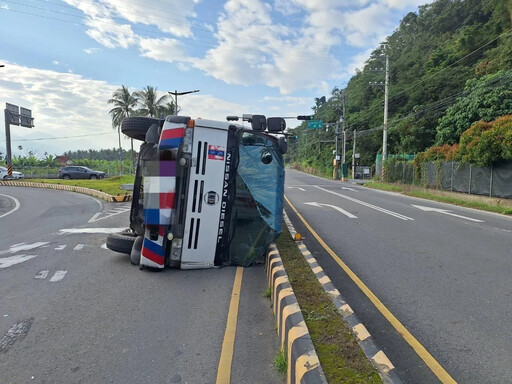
(60, 247)
(349, 189)
(302, 189)
(22, 247)
(7, 262)
(91, 230)
(383, 210)
(78, 247)
(348, 214)
(58, 276)
(42, 274)
(446, 212)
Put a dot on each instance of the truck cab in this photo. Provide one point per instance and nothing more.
(207, 193)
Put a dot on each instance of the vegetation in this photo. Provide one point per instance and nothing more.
(475, 203)
(111, 185)
(280, 362)
(342, 359)
(449, 68)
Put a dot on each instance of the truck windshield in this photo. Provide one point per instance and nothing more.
(257, 211)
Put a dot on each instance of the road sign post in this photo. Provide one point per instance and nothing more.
(15, 115)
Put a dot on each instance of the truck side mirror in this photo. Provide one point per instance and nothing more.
(258, 122)
(276, 124)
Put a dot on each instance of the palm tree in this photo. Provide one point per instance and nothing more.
(168, 109)
(124, 105)
(149, 101)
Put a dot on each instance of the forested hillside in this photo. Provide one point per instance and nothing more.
(450, 66)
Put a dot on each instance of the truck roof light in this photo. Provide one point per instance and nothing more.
(191, 123)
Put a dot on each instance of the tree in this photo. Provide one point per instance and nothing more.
(486, 98)
(124, 105)
(168, 109)
(149, 101)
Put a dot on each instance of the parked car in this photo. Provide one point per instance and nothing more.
(77, 172)
(15, 174)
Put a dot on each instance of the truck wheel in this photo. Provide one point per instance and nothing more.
(137, 126)
(136, 249)
(121, 242)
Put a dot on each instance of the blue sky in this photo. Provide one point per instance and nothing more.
(64, 59)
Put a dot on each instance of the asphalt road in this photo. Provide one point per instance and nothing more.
(72, 311)
(445, 275)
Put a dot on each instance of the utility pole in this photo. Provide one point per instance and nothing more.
(385, 130)
(386, 97)
(354, 155)
(176, 93)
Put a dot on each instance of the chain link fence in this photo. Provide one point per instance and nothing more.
(494, 181)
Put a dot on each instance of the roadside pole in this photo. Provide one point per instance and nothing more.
(7, 117)
(354, 155)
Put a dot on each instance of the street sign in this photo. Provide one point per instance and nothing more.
(12, 108)
(315, 124)
(26, 118)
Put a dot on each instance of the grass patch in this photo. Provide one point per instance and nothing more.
(383, 186)
(110, 185)
(342, 359)
(267, 293)
(481, 205)
(280, 362)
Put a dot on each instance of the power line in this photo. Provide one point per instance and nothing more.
(62, 137)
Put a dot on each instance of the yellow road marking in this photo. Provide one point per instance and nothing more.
(228, 345)
(422, 352)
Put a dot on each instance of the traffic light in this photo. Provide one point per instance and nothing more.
(303, 117)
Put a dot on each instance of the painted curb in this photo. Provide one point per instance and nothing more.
(302, 360)
(376, 356)
(70, 188)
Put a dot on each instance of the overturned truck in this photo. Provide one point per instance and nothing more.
(206, 193)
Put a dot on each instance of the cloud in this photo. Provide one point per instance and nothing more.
(170, 16)
(168, 49)
(4, 6)
(90, 51)
(65, 104)
(253, 50)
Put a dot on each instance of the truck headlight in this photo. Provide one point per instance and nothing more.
(187, 140)
(176, 249)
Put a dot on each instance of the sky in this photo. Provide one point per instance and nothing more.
(64, 59)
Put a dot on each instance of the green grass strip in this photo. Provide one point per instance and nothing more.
(110, 185)
(443, 199)
(341, 358)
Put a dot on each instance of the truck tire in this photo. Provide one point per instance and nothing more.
(137, 126)
(121, 242)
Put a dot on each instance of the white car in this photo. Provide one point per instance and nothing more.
(15, 174)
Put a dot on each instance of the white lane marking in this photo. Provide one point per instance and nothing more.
(349, 189)
(60, 247)
(348, 214)
(7, 262)
(22, 247)
(383, 210)
(104, 246)
(110, 213)
(302, 189)
(58, 276)
(446, 212)
(78, 247)
(16, 205)
(42, 274)
(92, 230)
